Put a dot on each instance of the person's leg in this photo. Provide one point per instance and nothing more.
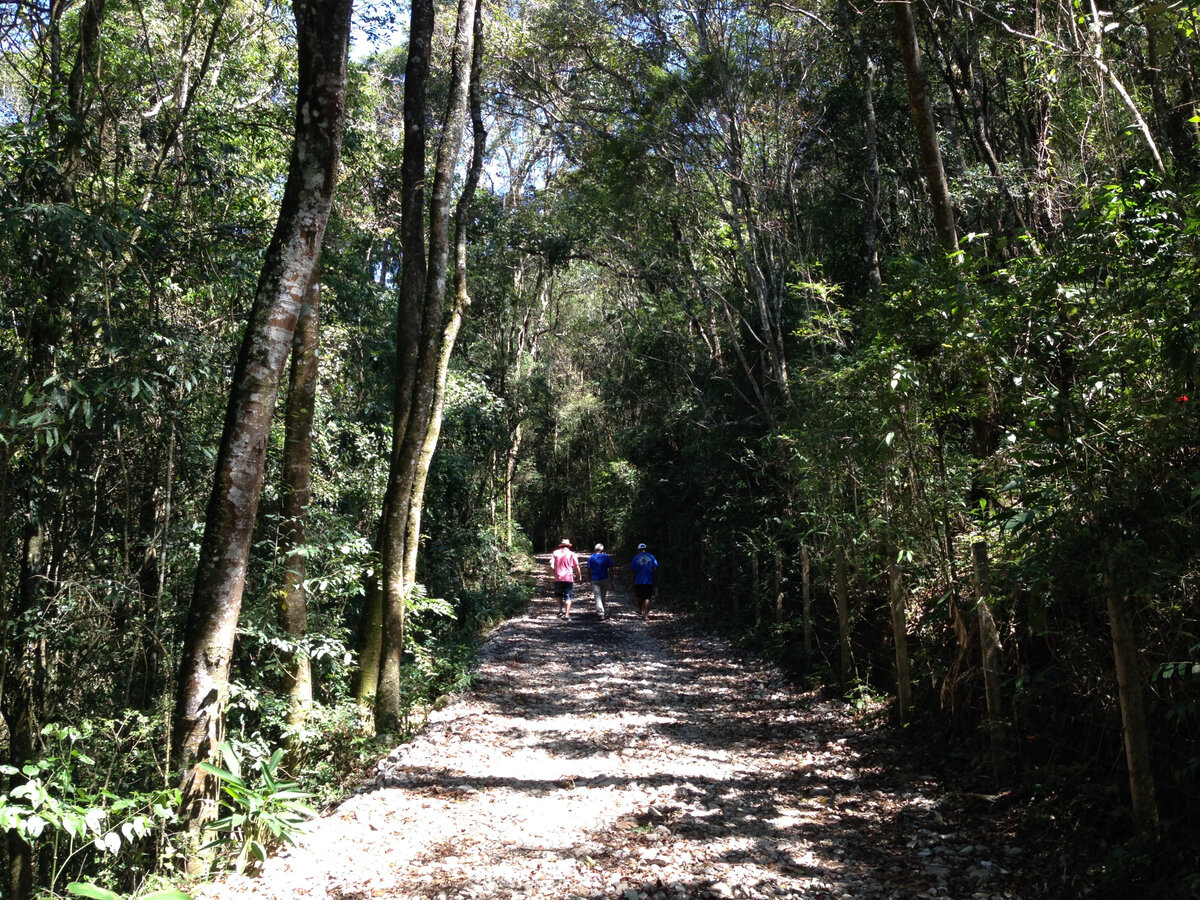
(560, 592)
(567, 609)
(600, 592)
(643, 599)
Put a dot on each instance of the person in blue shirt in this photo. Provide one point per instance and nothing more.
(599, 565)
(643, 576)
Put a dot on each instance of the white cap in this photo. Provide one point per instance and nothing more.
(641, 546)
(564, 543)
(599, 546)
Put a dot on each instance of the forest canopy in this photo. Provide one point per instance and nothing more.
(879, 322)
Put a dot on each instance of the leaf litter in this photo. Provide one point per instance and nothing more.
(639, 761)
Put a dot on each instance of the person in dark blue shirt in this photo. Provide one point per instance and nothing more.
(643, 575)
(600, 564)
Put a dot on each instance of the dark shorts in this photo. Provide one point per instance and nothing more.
(643, 591)
(562, 588)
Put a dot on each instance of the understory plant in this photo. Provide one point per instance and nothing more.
(262, 813)
(82, 825)
(94, 892)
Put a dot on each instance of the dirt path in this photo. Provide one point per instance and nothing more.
(624, 760)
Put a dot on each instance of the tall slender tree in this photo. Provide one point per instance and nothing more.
(462, 297)
(421, 328)
(323, 28)
(927, 136)
(292, 601)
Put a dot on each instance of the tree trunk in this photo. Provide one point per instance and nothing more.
(297, 495)
(510, 474)
(368, 641)
(960, 48)
(755, 589)
(5, 456)
(865, 66)
(1133, 709)
(409, 318)
(24, 687)
(1045, 211)
(422, 305)
(468, 45)
(899, 633)
(989, 645)
(1142, 126)
(871, 232)
(806, 605)
(922, 110)
(777, 587)
(144, 686)
(322, 39)
(842, 598)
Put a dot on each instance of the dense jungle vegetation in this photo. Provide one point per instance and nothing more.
(879, 322)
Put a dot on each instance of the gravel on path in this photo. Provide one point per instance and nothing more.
(638, 761)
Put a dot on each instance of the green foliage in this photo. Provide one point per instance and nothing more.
(333, 749)
(93, 892)
(672, 328)
(55, 803)
(263, 811)
(864, 698)
(1037, 399)
(1177, 685)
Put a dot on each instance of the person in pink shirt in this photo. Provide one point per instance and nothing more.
(564, 565)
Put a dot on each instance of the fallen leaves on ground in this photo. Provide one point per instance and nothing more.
(620, 759)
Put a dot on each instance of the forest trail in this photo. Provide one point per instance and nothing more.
(620, 759)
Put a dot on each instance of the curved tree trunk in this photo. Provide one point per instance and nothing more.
(323, 37)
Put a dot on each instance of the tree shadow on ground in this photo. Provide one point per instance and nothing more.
(845, 815)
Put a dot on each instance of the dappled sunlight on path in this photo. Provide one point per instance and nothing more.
(627, 759)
